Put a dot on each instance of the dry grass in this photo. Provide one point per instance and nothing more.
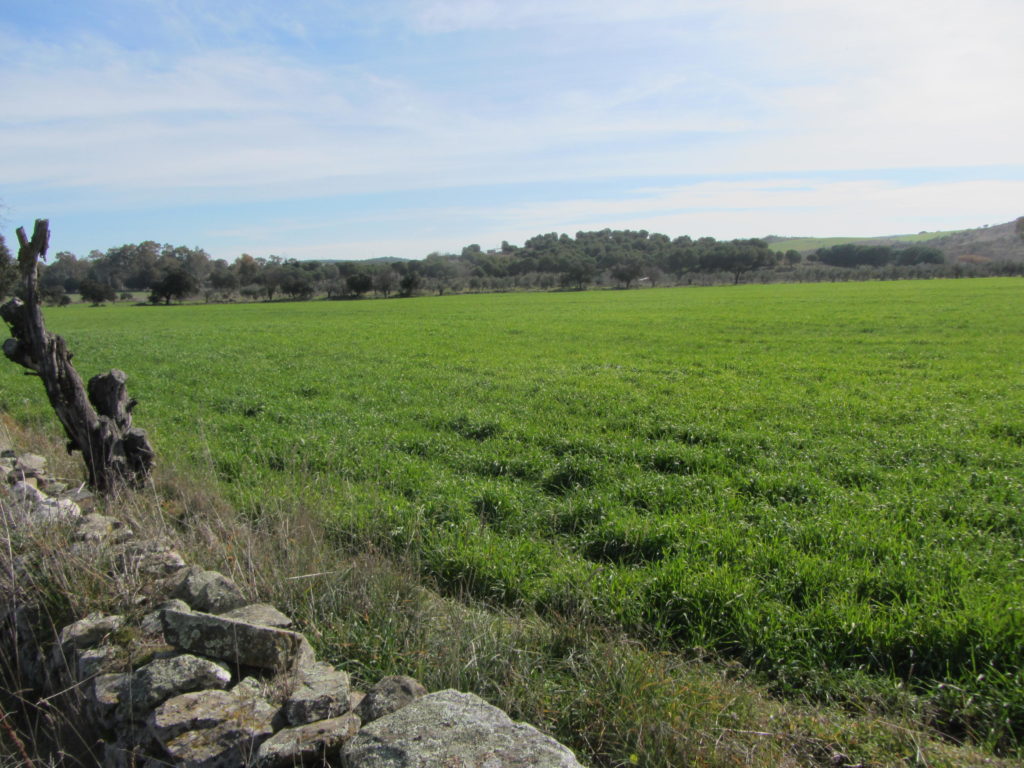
(616, 702)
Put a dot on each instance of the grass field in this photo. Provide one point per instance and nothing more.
(806, 244)
(823, 482)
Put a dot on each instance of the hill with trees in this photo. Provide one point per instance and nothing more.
(552, 261)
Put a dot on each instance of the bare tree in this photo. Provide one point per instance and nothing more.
(99, 424)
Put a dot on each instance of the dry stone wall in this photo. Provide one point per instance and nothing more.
(202, 678)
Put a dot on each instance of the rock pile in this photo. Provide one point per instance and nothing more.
(200, 677)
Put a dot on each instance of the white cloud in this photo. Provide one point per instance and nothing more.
(559, 92)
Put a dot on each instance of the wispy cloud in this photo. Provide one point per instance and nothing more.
(145, 104)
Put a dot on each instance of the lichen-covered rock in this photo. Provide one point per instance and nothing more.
(315, 743)
(235, 642)
(95, 527)
(89, 631)
(214, 729)
(26, 494)
(104, 695)
(152, 624)
(207, 591)
(449, 728)
(66, 660)
(206, 709)
(161, 679)
(263, 614)
(94, 661)
(154, 559)
(30, 465)
(319, 692)
(389, 695)
(50, 509)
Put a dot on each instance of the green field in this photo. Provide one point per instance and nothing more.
(824, 482)
(806, 244)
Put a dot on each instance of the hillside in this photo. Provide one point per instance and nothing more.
(1000, 242)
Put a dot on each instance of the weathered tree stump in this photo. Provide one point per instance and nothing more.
(98, 424)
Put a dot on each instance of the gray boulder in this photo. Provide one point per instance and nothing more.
(213, 728)
(319, 692)
(95, 527)
(389, 695)
(30, 465)
(453, 729)
(50, 509)
(263, 614)
(207, 591)
(161, 679)
(311, 744)
(236, 642)
(89, 631)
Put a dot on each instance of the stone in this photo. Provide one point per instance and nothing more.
(263, 614)
(310, 744)
(82, 497)
(205, 709)
(95, 527)
(93, 661)
(56, 509)
(152, 624)
(214, 729)
(104, 696)
(235, 642)
(319, 692)
(25, 493)
(450, 728)
(355, 698)
(207, 591)
(89, 631)
(151, 558)
(162, 679)
(30, 464)
(389, 695)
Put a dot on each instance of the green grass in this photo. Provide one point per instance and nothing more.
(823, 482)
(806, 244)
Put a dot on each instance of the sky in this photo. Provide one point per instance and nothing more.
(350, 129)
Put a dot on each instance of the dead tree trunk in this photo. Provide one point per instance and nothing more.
(98, 424)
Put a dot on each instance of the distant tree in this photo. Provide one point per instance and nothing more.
(384, 281)
(577, 271)
(627, 270)
(737, 257)
(854, 255)
(272, 278)
(920, 254)
(96, 292)
(792, 257)
(52, 293)
(297, 283)
(177, 284)
(8, 269)
(67, 269)
(409, 283)
(359, 283)
(247, 269)
(223, 281)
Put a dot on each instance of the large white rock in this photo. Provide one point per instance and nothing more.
(456, 729)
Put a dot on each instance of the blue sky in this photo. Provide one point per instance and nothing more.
(316, 129)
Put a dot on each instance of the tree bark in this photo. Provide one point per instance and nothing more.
(99, 424)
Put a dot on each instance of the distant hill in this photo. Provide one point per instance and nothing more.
(1000, 242)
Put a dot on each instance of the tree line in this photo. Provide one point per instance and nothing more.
(608, 258)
